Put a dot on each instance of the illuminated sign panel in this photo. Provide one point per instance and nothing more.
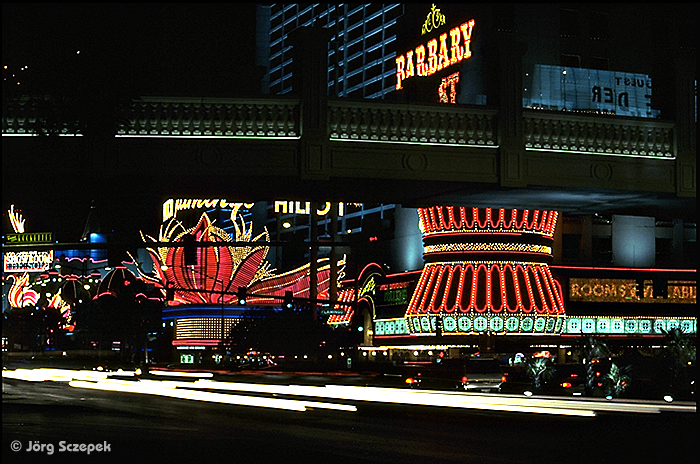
(393, 294)
(625, 325)
(173, 205)
(486, 271)
(30, 237)
(27, 261)
(390, 327)
(628, 291)
(438, 53)
(580, 89)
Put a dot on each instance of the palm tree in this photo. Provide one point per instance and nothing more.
(680, 345)
(617, 380)
(540, 370)
(592, 349)
(681, 350)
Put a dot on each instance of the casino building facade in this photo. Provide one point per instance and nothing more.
(494, 177)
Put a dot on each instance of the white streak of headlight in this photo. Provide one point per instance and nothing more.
(201, 375)
(138, 387)
(545, 405)
(171, 390)
(413, 397)
(56, 375)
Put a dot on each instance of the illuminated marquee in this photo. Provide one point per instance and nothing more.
(627, 290)
(436, 54)
(173, 205)
(33, 237)
(27, 261)
(626, 325)
(486, 271)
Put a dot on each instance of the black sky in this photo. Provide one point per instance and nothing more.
(126, 51)
(144, 49)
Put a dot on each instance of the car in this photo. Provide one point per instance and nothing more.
(566, 380)
(515, 380)
(457, 374)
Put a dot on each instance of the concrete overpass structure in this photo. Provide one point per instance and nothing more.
(311, 147)
(373, 151)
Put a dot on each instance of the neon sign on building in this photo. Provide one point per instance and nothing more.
(436, 54)
(487, 270)
(220, 270)
(27, 261)
(629, 290)
(173, 205)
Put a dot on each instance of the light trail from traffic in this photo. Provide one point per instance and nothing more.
(332, 397)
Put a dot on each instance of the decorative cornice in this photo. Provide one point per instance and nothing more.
(368, 121)
(597, 134)
(383, 122)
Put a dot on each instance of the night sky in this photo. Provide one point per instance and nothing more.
(119, 51)
(143, 49)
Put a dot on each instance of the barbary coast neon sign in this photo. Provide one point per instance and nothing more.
(435, 55)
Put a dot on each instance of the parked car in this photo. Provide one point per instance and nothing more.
(567, 379)
(462, 374)
(653, 378)
(515, 380)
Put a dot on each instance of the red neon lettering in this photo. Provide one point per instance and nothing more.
(448, 82)
(409, 64)
(457, 51)
(420, 61)
(432, 57)
(467, 34)
(400, 63)
(443, 57)
(438, 58)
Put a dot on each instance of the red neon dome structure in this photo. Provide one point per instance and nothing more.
(486, 270)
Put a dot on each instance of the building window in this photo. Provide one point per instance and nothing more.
(599, 63)
(602, 251)
(571, 248)
(570, 61)
(569, 23)
(598, 27)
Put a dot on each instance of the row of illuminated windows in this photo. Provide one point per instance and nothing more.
(202, 328)
(513, 324)
(622, 325)
(471, 324)
(360, 52)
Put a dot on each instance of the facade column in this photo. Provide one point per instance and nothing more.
(677, 255)
(313, 260)
(674, 93)
(685, 86)
(333, 232)
(508, 93)
(586, 246)
(310, 61)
